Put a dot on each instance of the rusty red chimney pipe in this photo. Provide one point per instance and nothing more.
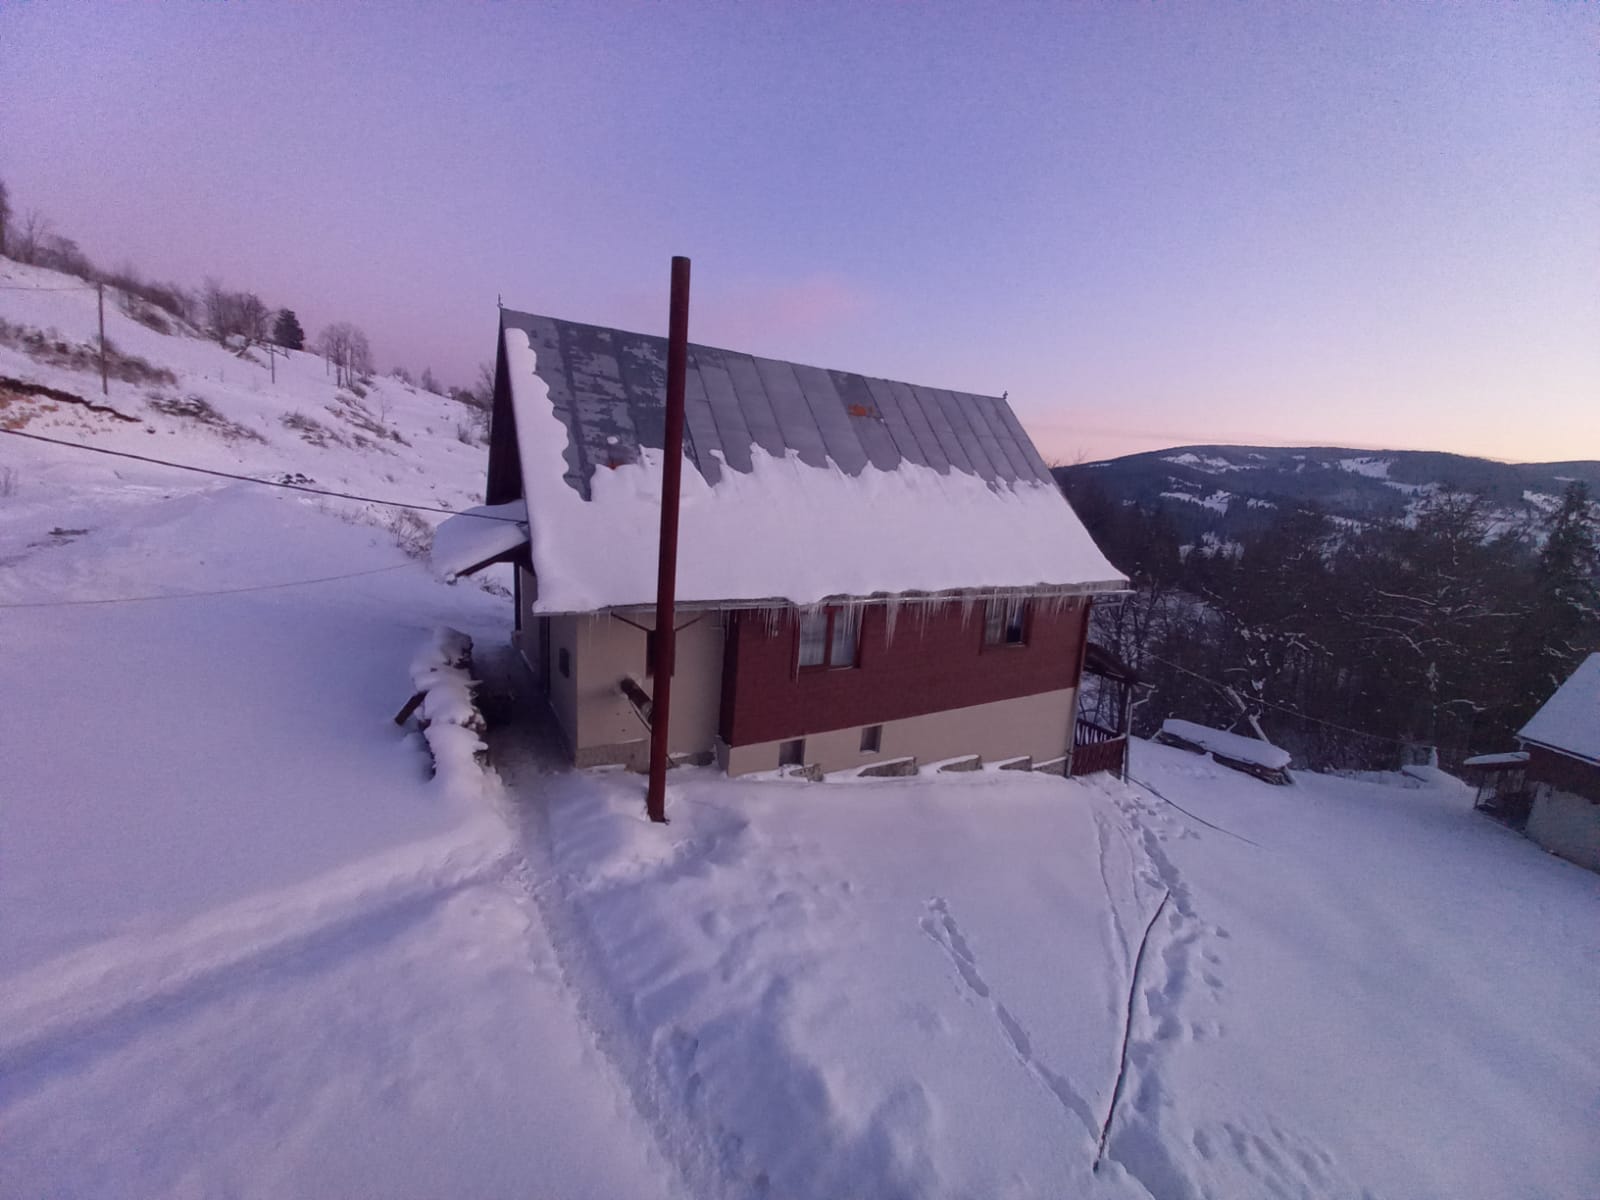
(667, 566)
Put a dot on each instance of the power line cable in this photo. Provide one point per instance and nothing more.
(28, 287)
(1187, 813)
(260, 587)
(1284, 708)
(273, 483)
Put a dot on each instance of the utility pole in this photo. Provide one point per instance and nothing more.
(667, 572)
(100, 293)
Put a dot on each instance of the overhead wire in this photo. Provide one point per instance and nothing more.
(1285, 709)
(260, 587)
(272, 483)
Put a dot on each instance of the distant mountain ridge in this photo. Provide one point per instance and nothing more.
(1216, 494)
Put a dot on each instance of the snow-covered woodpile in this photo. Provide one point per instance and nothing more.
(1250, 755)
(447, 712)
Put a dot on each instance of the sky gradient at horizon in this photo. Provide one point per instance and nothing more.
(1364, 225)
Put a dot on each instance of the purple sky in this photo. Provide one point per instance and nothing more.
(1346, 224)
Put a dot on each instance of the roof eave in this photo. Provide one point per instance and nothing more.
(948, 596)
(1554, 749)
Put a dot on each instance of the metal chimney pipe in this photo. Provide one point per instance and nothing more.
(667, 566)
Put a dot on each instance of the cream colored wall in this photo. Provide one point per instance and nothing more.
(1567, 825)
(1039, 726)
(564, 688)
(608, 648)
(526, 636)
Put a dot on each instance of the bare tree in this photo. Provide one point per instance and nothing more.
(430, 383)
(31, 240)
(346, 347)
(64, 255)
(231, 314)
(5, 214)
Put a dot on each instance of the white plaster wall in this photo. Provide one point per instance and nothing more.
(1567, 825)
(608, 648)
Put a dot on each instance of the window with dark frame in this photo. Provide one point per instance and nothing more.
(830, 638)
(1005, 623)
(564, 663)
(871, 739)
(792, 753)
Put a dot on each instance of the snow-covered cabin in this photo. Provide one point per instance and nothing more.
(869, 573)
(1563, 771)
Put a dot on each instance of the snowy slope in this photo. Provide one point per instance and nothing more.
(247, 946)
(917, 988)
(396, 442)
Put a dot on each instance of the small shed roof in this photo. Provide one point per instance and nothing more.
(1569, 721)
(808, 485)
(1511, 758)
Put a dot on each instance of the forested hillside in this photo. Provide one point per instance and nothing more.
(1356, 642)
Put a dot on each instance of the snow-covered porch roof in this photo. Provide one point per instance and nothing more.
(808, 485)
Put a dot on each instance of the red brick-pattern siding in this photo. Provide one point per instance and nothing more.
(1564, 773)
(929, 666)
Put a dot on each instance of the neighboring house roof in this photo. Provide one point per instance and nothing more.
(1570, 720)
(808, 484)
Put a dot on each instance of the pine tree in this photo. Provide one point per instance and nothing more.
(287, 332)
(1565, 616)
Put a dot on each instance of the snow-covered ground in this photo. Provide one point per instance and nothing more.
(248, 947)
(912, 988)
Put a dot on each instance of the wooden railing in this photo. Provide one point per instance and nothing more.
(1096, 748)
(1090, 734)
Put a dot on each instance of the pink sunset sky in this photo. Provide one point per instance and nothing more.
(1336, 224)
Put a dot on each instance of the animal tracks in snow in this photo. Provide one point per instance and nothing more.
(941, 927)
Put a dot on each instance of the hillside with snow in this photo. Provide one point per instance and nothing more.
(1225, 493)
(251, 946)
(179, 395)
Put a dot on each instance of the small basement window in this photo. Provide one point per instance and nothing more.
(564, 663)
(792, 753)
(1005, 623)
(871, 739)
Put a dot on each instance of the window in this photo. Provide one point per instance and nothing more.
(792, 754)
(829, 638)
(564, 663)
(871, 739)
(814, 638)
(1005, 623)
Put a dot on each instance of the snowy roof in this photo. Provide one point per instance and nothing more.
(471, 539)
(608, 388)
(1510, 758)
(1570, 719)
(809, 483)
